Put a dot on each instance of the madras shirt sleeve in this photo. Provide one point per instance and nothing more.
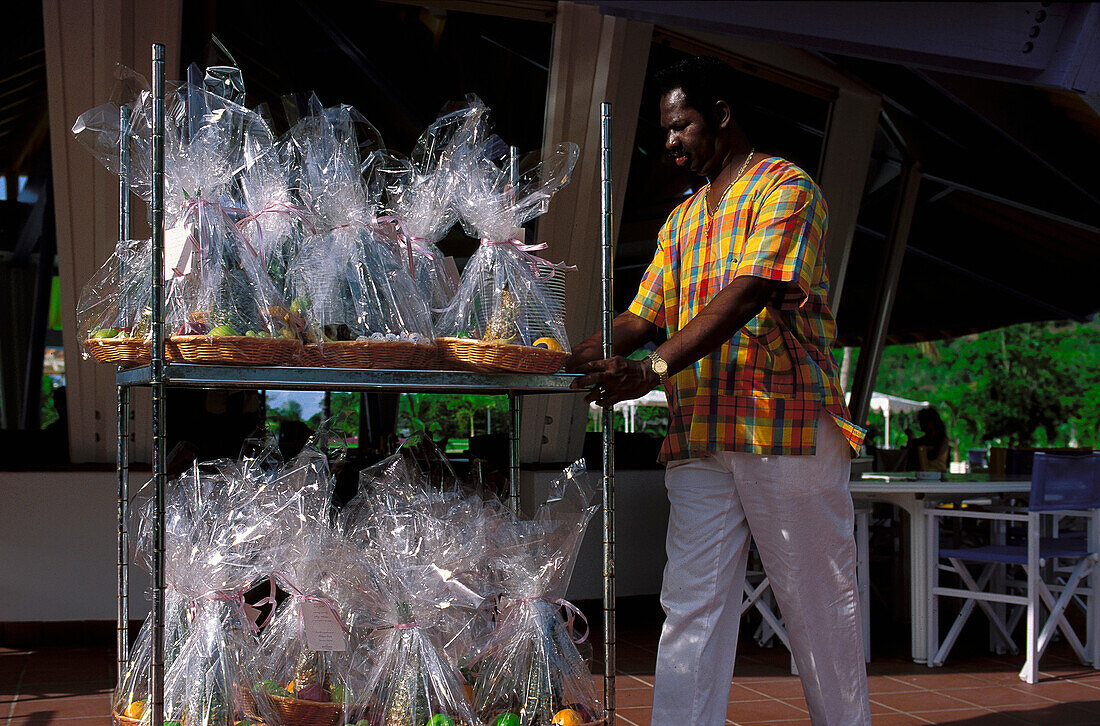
(785, 240)
(649, 303)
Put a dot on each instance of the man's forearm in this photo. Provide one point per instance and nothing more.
(726, 313)
(628, 333)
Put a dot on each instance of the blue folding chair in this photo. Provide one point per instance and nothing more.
(1061, 486)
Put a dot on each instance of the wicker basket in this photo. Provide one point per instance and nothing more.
(399, 355)
(484, 357)
(235, 350)
(293, 711)
(120, 351)
(124, 720)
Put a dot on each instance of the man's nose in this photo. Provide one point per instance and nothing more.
(671, 141)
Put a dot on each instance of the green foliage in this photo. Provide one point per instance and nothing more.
(49, 410)
(1029, 384)
(446, 416)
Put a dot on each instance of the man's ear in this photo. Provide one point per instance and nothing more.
(723, 117)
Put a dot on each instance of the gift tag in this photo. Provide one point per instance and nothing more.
(253, 614)
(177, 252)
(323, 630)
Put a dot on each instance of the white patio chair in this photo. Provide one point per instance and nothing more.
(757, 593)
(1061, 486)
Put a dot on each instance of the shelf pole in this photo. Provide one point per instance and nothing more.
(156, 671)
(513, 399)
(122, 450)
(606, 277)
(513, 451)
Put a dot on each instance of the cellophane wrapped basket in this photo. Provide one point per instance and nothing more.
(503, 317)
(217, 534)
(352, 281)
(419, 192)
(419, 587)
(113, 314)
(221, 305)
(530, 672)
(301, 661)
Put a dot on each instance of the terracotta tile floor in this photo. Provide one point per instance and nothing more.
(71, 687)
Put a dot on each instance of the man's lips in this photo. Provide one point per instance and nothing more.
(681, 160)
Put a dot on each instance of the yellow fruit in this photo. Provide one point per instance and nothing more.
(567, 717)
(548, 343)
(290, 687)
(135, 709)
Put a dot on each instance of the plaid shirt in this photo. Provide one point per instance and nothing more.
(761, 392)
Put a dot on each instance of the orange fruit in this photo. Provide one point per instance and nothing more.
(290, 687)
(135, 709)
(567, 717)
(548, 343)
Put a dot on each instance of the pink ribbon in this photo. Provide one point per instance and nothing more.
(327, 602)
(525, 251)
(276, 207)
(191, 208)
(403, 237)
(224, 596)
(270, 599)
(571, 610)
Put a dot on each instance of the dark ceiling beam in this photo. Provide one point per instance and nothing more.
(1057, 311)
(542, 11)
(1045, 44)
(996, 128)
(1013, 203)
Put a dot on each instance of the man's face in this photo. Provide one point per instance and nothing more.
(689, 137)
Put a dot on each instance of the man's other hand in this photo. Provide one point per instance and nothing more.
(615, 379)
(588, 351)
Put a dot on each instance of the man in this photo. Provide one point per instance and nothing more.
(759, 436)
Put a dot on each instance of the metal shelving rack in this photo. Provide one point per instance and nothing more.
(159, 375)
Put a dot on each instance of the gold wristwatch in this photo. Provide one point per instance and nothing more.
(659, 366)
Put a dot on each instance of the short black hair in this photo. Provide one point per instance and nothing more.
(705, 80)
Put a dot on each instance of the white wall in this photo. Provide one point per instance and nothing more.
(57, 544)
(58, 547)
(641, 516)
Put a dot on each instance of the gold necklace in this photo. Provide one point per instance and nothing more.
(744, 165)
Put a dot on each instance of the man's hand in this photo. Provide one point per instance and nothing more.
(588, 351)
(615, 379)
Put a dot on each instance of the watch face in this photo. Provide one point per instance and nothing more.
(660, 367)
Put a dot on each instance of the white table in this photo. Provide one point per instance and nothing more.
(913, 497)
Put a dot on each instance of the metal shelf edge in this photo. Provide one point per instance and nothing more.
(346, 379)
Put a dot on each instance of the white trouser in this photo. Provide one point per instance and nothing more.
(799, 512)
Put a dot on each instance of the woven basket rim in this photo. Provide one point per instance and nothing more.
(303, 703)
(371, 342)
(234, 339)
(493, 344)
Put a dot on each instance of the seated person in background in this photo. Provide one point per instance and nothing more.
(927, 452)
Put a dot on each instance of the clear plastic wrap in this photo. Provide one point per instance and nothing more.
(419, 586)
(352, 281)
(218, 533)
(220, 287)
(420, 192)
(277, 222)
(218, 282)
(113, 312)
(98, 129)
(503, 300)
(530, 673)
(300, 659)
